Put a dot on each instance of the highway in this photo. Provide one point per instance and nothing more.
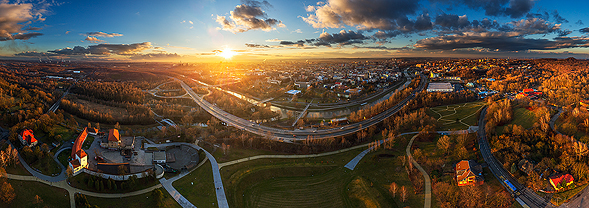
(522, 193)
(293, 135)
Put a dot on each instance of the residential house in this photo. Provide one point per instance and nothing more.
(114, 139)
(27, 138)
(468, 172)
(561, 181)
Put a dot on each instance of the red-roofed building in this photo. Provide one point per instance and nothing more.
(561, 181)
(79, 157)
(114, 139)
(528, 90)
(93, 131)
(27, 138)
(468, 172)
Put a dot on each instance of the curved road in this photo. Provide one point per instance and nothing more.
(292, 135)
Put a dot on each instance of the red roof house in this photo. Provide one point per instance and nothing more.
(528, 90)
(79, 157)
(27, 138)
(561, 181)
(468, 172)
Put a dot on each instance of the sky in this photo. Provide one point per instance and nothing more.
(201, 30)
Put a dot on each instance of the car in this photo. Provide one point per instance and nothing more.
(341, 127)
(295, 136)
(314, 131)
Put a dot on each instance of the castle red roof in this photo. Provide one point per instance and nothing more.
(78, 143)
(28, 136)
(113, 135)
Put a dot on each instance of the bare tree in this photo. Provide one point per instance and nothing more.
(393, 188)
(403, 194)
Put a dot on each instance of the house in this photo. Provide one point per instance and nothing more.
(93, 131)
(561, 181)
(27, 138)
(525, 166)
(114, 139)
(468, 172)
(79, 157)
(159, 157)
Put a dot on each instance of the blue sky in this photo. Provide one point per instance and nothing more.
(194, 30)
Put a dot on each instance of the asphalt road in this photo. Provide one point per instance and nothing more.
(292, 135)
(526, 195)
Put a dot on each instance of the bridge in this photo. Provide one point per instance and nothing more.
(302, 113)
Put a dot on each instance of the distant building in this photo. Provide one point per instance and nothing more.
(93, 131)
(468, 172)
(27, 138)
(79, 157)
(561, 181)
(440, 87)
(302, 85)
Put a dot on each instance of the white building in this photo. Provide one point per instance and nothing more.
(440, 87)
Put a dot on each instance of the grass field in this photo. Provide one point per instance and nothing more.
(27, 190)
(47, 166)
(559, 198)
(88, 142)
(17, 169)
(238, 153)
(198, 187)
(522, 117)
(139, 201)
(81, 181)
(318, 182)
(458, 116)
(63, 156)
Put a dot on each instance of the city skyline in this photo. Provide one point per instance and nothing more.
(193, 31)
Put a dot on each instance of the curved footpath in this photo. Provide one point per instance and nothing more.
(427, 201)
(219, 190)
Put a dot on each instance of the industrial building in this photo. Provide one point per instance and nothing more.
(440, 87)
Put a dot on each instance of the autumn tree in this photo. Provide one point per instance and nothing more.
(393, 189)
(443, 143)
(403, 194)
(7, 193)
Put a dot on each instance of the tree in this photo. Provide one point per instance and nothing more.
(122, 170)
(403, 194)
(117, 126)
(37, 200)
(393, 189)
(69, 172)
(7, 193)
(97, 125)
(444, 143)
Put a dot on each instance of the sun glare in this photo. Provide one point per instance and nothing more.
(227, 53)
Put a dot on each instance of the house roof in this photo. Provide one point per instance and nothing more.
(28, 136)
(467, 168)
(79, 141)
(113, 135)
(555, 180)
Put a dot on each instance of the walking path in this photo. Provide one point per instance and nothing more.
(220, 191)
(428, 184)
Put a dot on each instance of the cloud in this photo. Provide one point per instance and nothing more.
(13, 17)
(105, 49)
(297, 31)
(584, 30)
(152, 56)
(580, 22)
(32, 53)
(557, 18)
(342, 38)
(365, 14)
(103, 34)
(249, 16)
(510, 8)
(253, 45)
(501, 41)
(93, 39)
(191, 22)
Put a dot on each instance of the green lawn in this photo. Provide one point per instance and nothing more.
(27, 190)
(88, 142)
(63, 156)
(449, 116)
(560, 197)
(522, 117)
(47, 166)
(238, 153)
(139, 201)
(81, 181)
(198, 187)
(17, 169)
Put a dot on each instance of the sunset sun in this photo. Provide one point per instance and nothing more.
(227, 53)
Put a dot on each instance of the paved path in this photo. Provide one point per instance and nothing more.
(428, 184)
(288, 156)
(219, 190)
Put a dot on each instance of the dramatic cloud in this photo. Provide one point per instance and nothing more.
(249, 16)
(93, 39)
(253, 45)
(341, 38)
(32, 53)
(584, 30)
(103, 34)
(105, 49)
(154, 56)
(500, 41)
(13, 17)
(510, 8)
(365, 14)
